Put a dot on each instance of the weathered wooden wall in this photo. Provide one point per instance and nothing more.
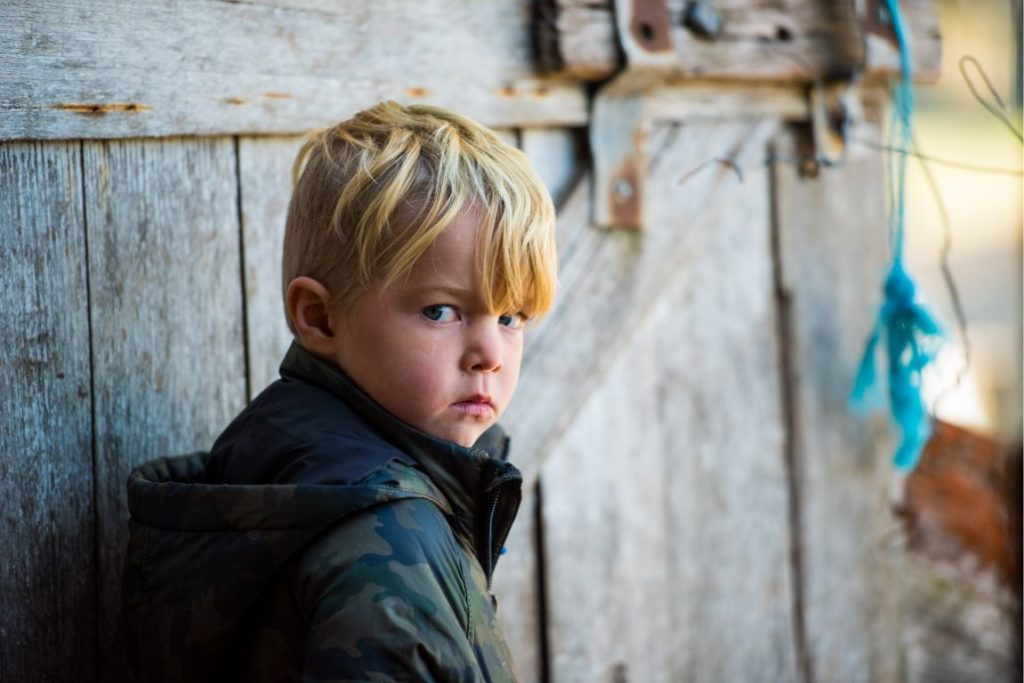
(48, 546)
(829, 256)
(698, 506)
(87, 69)
(665, 498)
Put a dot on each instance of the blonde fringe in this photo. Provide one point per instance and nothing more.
(372, 193)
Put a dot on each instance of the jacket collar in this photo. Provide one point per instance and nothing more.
(463, 474)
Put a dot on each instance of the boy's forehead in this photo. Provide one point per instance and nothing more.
(453, 259)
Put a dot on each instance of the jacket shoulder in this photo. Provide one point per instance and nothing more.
(384, 592)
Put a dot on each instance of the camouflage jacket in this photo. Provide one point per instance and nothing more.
(321, 539)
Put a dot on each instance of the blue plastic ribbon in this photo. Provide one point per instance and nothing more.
(912, 334)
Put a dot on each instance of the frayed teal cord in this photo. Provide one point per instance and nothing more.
(912, 334)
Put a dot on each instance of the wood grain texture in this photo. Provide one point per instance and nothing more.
(577, 38)
(697, 100)
(762, 40)
(83, 69)
(265, 166)
(166, 310)
(613, 276)
(665, 498)
(48, 570)
(832, 254)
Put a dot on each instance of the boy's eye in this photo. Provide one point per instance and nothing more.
(512, 320)
(440, 313)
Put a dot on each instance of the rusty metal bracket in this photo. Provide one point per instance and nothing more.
(618, 134)
(618, 129)
(834, 109)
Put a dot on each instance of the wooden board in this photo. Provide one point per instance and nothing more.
(106, 69)
(832, 254)
(265, 166)
(516, 588)
(761, 40)
(695, 100)
(166, 310)
(48, 574)
(665, 497)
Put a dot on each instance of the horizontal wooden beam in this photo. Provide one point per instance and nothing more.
(106, 69)
(747, 40)
(703, 100)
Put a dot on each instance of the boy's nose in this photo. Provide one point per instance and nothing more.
(484, 348)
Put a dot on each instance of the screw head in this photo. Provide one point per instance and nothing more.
(703, 19)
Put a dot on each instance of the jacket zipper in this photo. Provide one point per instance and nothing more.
(490, 536)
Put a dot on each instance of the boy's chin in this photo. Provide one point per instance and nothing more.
(467, 441)
(463, 437)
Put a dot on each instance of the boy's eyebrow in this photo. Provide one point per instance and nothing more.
(459, 292)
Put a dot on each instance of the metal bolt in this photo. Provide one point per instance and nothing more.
(623, 189)
(703, 19)
(809, 167)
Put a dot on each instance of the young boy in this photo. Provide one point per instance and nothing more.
(345, 526)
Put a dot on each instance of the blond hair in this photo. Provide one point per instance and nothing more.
(372, 193)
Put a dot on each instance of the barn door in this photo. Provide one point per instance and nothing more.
(698, 505)
(710, 511)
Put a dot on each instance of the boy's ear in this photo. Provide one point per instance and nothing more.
(312, 312)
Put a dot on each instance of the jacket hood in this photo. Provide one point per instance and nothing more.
(201, 556)
(209, 531)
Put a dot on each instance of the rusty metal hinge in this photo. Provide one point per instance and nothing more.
(618, 129)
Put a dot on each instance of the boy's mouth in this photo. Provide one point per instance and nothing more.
(477, 405)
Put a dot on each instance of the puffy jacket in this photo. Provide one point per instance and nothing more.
(322, 539)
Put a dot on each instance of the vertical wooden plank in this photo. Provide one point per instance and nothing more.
(832, 258)
(727, 530)
(48, 570)
(166, 311)
(516, 580)
(605, 497)
(665, 506)
(516, 588)
(265, 166)
(557, 155)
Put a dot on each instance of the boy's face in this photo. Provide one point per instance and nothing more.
(427, 349)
